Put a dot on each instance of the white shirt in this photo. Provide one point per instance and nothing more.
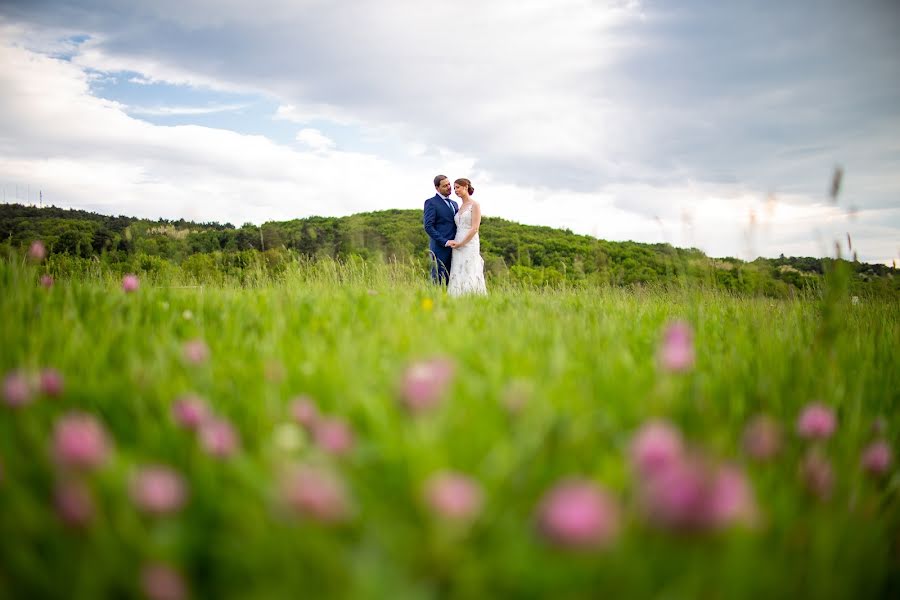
(449, 204)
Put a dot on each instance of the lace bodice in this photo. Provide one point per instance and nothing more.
(467, 266)
(463, 219)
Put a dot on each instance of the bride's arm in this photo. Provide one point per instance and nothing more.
(476, 223)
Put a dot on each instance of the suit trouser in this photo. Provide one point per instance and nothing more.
(440, 264)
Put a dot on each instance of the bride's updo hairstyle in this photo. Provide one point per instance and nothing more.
(467, 183)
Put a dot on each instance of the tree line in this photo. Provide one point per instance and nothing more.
(533, 255)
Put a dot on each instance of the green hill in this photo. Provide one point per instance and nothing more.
(514, 252)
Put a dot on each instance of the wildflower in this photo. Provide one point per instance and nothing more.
(578, 514)
(425, 382)
(877, 458)
(162, 582)
(130, 283)
(676, 352)
(80, 441)
(427, 304)
(51, 383)
(516, 396)
(816, 421)
(453, 496)
(817, 474)
(655, 446)
(316, 493)
(274, 371)
(158, 490)
(73, 503)
(37, 251)
(304, 411)
(730, 499)
(195, 352)
(333, 435)
(762, 438)
(17, 390)
(190, 411)
(218, 438)
(676, 496)
(47, 281)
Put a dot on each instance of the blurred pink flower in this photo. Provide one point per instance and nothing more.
(333, 435)
(304, 411)
(162, 582)
(130, 283)
(762, 437)
(424, 383)
(655, 446)
(17, 389)
(195, 352)
(578, 514)
(218, 437)
(516, 396)
(817, 474)
(877, 458)
(51, 383)
(677, 496)
(453, 496)
(689, 494)
(158, 490)
(316, 493)
(80, 441)
(676, 352)
(730, 499)
(190, 411)
(74, 503)
(37, 251)
(816, 421)
(47, 281)
(274, 371)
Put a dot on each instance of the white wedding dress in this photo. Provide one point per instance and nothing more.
(467, 266)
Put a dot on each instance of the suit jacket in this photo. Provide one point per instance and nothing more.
(438, 221)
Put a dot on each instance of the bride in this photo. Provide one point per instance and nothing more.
(467, 266)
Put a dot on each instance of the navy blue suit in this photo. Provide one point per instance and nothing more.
(440, 227)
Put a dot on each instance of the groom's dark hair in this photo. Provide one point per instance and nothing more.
(438, 179)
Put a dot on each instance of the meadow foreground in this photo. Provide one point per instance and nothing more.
(352, 432)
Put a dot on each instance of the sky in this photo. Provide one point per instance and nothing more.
(715, 125)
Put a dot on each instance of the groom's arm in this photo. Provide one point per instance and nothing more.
(428, 221)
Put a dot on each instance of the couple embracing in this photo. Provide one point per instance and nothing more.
(455, 246)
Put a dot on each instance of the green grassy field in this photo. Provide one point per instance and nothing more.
(546, 386)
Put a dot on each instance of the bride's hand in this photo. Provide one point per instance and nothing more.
(452, 244)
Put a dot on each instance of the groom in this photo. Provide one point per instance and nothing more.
(441, 228)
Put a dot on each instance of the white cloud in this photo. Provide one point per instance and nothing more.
(308, 114)
(92, 55)
(500, 78)
(176, 111)
(314, 139)
(593, 116)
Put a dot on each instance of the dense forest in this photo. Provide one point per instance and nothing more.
(512, 252)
